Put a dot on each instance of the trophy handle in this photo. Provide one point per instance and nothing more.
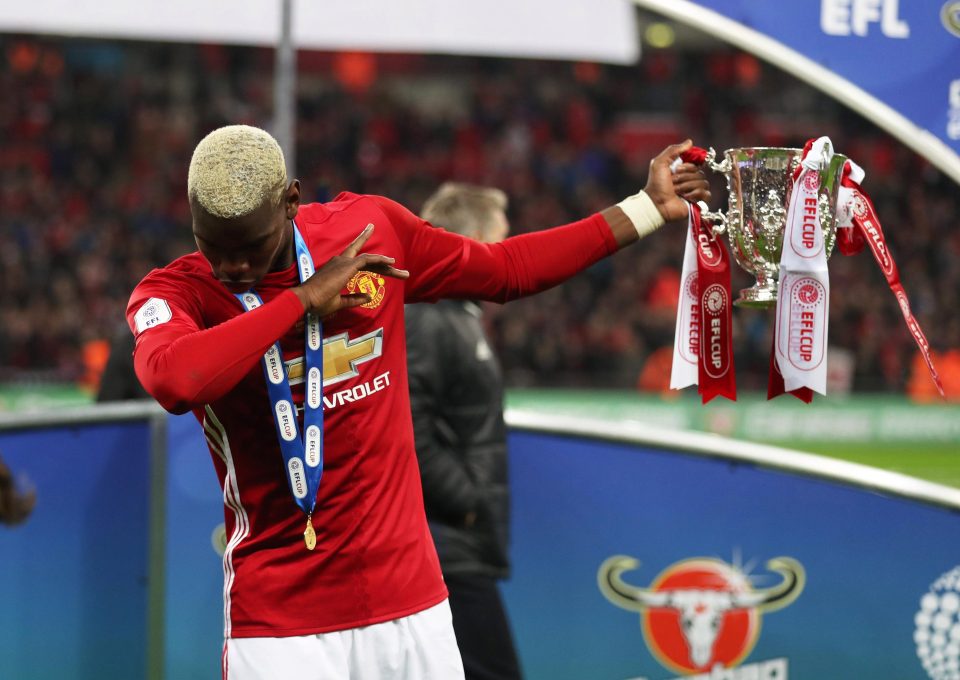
(717, 220)
(723, 166)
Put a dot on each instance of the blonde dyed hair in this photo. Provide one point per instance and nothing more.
(464, 208)
(235, 169)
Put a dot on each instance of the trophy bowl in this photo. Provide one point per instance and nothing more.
(759, 186)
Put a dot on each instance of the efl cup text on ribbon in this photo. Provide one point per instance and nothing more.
(296, 478)
(879, 246)
(807, 306)
(810, 222)
(694, 336)
(715, 307)
(709, 251)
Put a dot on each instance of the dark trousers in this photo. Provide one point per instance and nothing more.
(483, 632)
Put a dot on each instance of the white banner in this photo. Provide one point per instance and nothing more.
(594, 30)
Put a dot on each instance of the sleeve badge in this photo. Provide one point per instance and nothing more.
(154, 312)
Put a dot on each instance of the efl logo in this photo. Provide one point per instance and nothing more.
(811, 181)
(701, 612)
(153, 313)
(715, 299)
(860, 208)
(808, 294)
(843, 17)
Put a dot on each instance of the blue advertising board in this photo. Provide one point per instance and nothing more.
(701, 524)
(73, 578)
(630, 561)
(194, 569)
(896, 62)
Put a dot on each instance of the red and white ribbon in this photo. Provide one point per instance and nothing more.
(703, 343)
(864, 228)
(803, 291)
(686, 339)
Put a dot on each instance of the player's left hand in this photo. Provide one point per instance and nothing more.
(670, 191)
(322, 294)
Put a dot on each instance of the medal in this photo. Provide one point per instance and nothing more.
(309, 535)
(302, 456)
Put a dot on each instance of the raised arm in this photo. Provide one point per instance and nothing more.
(443, 264)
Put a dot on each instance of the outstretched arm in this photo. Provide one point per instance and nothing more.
(443, 264)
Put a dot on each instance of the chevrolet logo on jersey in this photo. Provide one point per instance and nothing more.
(341, 356)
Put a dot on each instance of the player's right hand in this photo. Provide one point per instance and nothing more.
(670, 191)
(322, 294)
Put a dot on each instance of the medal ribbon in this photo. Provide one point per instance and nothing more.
(302, 457)
(799, 357)
(703, 343)
(866, 228)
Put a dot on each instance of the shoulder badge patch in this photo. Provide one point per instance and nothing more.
(153, 313)
(372, 284)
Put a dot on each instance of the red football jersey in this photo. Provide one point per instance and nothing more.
(198, 350)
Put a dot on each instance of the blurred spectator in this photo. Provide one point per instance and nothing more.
(15, 506)
(91, 198)
(119, 381)
(456, 400)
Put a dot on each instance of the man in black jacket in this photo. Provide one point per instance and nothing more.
(456, 397)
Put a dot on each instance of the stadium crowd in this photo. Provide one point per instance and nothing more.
(95, 139)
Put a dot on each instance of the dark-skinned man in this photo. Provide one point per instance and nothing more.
(284, 335)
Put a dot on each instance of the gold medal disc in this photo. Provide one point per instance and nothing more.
(310, 536)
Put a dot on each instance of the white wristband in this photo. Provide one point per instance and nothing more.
(642, 212)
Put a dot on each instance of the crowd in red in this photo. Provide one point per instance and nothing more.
(95, 138)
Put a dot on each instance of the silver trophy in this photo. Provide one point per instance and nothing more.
(759, 183)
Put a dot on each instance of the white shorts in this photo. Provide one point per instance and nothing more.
(421, 646)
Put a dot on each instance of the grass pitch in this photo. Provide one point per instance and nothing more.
(887, 432)
(938, 463)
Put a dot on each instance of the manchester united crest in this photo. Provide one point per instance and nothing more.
(369, 283)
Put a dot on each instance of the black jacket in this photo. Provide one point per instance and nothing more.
(456, 397)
